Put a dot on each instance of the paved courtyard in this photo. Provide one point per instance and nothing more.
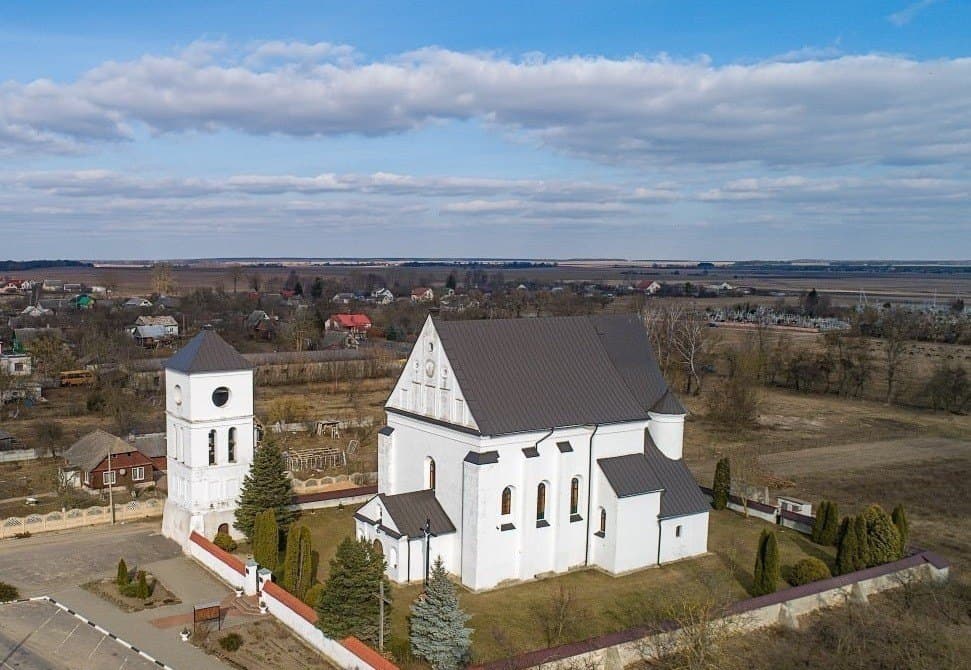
(48, 562)
(38, 635)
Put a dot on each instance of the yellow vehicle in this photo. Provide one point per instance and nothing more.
(77, 378)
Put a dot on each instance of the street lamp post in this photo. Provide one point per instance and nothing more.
(427, 530)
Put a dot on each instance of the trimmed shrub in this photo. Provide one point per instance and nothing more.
(899, 518)
(8, 592)
(122, 577)
(142, 589)
(766, 564)
(819, 522)
(721, 485)
(863, 543)
(231, 642)
(225, 542)
(808, 570)
(313, 594)
(266, 540)
(831, 525)
(847, 551)
(882, 536)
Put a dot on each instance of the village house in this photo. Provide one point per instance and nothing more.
(88, 463)
(137, 302)
(15, 364)
(343, 298)
(357, 324)
(168, 323)
(382, 296)
(36, 311)
(522, 447)
(52, 285)
(15, 286)
(648, 287)
(422, 294)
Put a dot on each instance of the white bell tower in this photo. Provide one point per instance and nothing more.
(209, 436)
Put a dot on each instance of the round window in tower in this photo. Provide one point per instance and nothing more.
(220, 396)
(177, 394)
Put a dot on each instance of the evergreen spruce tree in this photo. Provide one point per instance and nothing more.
(819, 523)
(847, 552)
(831, 529)
(266, 540)
(862, 542)
(766, 564)
(882, 536)
(722, 484)
(899, 517)
(123, 578)
(266, 486)
(438, 630)
(298, 565)
(348, 604)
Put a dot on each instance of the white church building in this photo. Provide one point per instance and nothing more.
(209, 436)
(522, 447)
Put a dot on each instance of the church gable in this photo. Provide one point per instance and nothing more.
(428, 387)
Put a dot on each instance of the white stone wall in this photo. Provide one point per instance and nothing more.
(693, 539)
(667, 431)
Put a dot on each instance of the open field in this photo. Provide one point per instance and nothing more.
(510, 620)
(843, 284)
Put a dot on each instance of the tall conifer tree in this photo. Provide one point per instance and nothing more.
(266, 540)
(438, 630)
(722, 484)
(266, 486)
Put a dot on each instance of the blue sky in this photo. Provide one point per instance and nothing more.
(540, 129)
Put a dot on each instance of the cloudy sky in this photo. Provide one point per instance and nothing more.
(662, 130)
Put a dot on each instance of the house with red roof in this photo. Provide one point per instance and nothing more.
(355, 323)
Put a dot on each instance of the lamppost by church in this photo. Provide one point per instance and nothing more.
(427, 530)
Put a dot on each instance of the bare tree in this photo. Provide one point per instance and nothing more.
(896, 328)
(236, 273)
(561, 615)
(162, 280)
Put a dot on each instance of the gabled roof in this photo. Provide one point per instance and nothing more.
(409, 511)
(93, 448)
(207, 352)
(651, 471)
(351, 320)
(151, 445)
(156, 321)
(535, 374)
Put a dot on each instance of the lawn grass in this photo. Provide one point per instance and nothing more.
(510, 620)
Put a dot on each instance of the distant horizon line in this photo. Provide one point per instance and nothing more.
(104, 262)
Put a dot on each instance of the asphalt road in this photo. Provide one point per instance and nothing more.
(40, 636)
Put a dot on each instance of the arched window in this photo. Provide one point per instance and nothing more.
(506, 506)
(212, 447)
(575, 496)
(541, 502)
(603, 522)
(431, 473)
(232, 445)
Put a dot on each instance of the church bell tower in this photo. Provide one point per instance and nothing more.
(209, 436)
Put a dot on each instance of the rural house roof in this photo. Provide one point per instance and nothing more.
(151, 445)
(207, 352)
(351, 320)
(651, 471)
(535, 374)
(156, 321)
(409, 511)
(93, 448)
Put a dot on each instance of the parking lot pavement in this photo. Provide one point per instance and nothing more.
(48, 562)
(37, 635)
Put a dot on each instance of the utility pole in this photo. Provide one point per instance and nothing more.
(381, 602)
(111, 486)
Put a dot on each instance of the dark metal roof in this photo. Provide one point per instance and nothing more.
(668, 404)
(535, 374)
(630, 475)
(637, 474)
(386, 430)
(482, 457)
(207, 352)
(409, 511)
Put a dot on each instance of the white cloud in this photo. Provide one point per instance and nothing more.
(806, 109)
(910, 12)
